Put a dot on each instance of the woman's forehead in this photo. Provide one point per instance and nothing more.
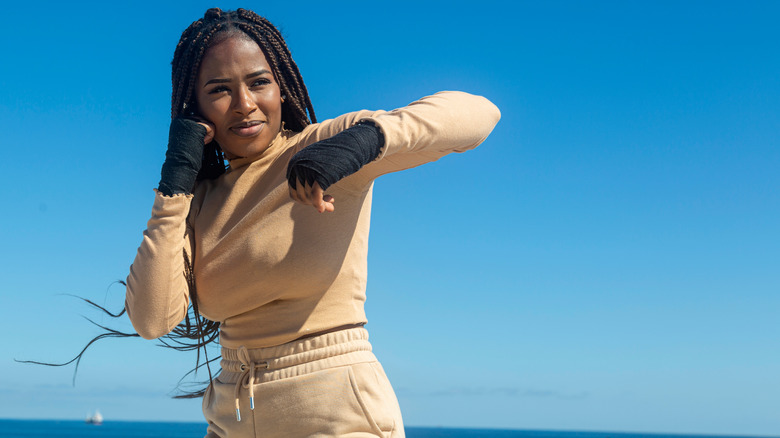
(233, 56)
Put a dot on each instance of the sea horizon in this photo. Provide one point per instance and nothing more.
(66, 428)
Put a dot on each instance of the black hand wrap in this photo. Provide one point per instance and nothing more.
(334, 158)
(183, 158)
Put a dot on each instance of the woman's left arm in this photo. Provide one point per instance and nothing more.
(421, 132)
(448, 121)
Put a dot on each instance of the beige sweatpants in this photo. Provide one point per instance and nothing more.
(326, 386)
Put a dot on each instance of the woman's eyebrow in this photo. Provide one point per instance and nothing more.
(250, 75)
(217, 81)
(257, 73)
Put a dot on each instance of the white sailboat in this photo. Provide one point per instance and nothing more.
(96, 419)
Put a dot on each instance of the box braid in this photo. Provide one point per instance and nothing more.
(216, 26)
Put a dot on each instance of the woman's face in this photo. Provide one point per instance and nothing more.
(238, 93)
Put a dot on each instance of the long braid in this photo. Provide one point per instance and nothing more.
(294, 74)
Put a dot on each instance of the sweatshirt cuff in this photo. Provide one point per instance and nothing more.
(175, 205)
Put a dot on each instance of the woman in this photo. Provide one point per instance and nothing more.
(262, 247)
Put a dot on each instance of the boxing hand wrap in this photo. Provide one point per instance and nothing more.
(328, 161)
(183, 157)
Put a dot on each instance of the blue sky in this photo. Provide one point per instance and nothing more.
(606, 260)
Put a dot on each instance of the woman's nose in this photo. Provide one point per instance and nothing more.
(244, 103)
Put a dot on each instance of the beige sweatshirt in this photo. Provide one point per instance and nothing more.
(271, 270)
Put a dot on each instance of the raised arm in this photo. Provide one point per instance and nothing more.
(357, 147)
(448, 121)
(157, 294)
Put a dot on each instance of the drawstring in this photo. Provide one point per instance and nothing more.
(247, 378)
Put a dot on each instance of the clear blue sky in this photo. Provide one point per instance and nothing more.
(607, 260)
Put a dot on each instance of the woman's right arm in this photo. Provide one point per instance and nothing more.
(157, 292)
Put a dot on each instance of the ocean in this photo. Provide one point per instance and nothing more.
(139, 429)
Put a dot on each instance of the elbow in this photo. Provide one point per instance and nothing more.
(495, 113)
(490, 117)
(149, 333)
(479, 115)
(146, 327)
(490, 114)
(485, 116)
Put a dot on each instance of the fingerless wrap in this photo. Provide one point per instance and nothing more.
(328, 161)
(183, 157)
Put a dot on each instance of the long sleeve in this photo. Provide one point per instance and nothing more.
(157, 294)
(421, 132)
(428, 129)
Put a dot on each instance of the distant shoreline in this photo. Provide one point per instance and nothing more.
(23, 427)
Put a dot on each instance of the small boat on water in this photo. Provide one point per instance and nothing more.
(96, 419)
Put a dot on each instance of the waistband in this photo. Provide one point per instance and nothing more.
(246, 367)
(287, 359)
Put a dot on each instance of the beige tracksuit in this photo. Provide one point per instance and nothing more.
(272, 271)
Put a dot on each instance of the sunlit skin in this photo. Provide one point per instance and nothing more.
(238, 95)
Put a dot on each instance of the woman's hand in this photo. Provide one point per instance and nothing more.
(209, 130)
(312, 195)
(316, 167)
(184, 155)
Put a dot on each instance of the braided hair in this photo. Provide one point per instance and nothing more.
(196, 332)
(215, 27)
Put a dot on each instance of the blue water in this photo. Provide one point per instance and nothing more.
(128, 429)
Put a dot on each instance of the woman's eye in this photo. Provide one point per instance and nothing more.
(260, 82)
(219, 89)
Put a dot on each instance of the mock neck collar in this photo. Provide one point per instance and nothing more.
(277, 143)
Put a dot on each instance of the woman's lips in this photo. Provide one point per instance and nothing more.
(248, 129)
